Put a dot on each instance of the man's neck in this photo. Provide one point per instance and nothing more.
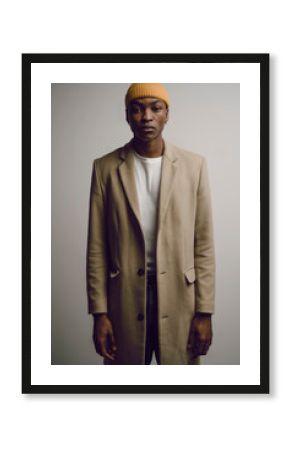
(150, 149)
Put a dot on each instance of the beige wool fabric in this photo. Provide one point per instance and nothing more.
(116, 257)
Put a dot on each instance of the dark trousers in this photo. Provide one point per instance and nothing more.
(151, 319)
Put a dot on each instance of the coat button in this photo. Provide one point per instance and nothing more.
(141, 272)
(140, 317)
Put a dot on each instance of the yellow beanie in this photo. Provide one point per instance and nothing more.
(138, 90)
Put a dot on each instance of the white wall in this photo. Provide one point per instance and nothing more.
(147, 421)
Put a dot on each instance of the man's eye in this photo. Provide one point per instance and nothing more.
(157, 108)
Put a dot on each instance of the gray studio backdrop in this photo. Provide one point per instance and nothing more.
(88, 120)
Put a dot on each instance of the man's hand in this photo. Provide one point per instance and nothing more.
(103, 336)
(200, 335)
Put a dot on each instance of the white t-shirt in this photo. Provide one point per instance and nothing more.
(147, 176)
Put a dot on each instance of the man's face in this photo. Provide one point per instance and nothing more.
(147, 117)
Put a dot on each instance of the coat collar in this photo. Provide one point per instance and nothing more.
(168, 176)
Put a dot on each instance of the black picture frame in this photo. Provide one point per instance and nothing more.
(263, 60)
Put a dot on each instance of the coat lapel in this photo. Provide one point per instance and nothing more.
(168, 176)
(127, 175)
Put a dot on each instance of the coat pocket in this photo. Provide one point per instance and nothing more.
(190, 275)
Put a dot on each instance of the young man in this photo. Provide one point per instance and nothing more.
(150, 253)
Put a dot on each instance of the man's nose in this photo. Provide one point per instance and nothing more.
(147, 114)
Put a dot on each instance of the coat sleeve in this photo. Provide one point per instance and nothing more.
(96, 260)
(204, 253)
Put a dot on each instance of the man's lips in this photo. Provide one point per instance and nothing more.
(147, 128)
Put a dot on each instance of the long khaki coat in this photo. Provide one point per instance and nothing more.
(116, 258)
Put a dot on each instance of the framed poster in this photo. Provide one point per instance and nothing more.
(217, 123)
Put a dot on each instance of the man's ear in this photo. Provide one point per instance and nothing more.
(127, 117)
(167, 115)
